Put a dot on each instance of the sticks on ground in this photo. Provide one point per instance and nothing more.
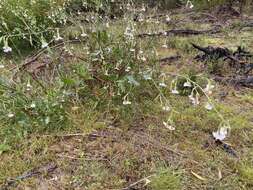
(180, 32)
(247, 25)
(238, 58)
(211, 52)
(170, 59)
(42, 51)
(146, 180)
(246, 81)
(45, 169)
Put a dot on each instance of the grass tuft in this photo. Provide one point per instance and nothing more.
(166, 179)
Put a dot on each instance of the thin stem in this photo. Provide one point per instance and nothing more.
(208, 98)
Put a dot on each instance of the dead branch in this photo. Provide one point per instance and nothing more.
(210, 16)
(92, 135)
(170, 59)
(82, 159)
(247, 25)
(45, 169)
(219, 52)
(248, 68)
(246, 81)
(42, 51)
(180, 32)
(145, 179)
(157, 144)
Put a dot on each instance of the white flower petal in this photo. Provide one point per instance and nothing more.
(221, 133)
(170, 127)
(162, 84)
(10, 115)
(59, 38)
(167, 18)
(126, 102)
(187, 84)
(33, 105)
(44, 45)
(209, 106)
(84, 35)
(166, 108)
(164, 46)
(175, 91)
(208, 88)
(7, 49)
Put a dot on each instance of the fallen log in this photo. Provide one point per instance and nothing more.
(246, 81)
(211, 52)
(248, 68)
(43, 170)
(170, 59)
(180, 32)
(238, 57)
(247, 25)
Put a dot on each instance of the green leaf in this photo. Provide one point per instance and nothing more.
(68, 81)
(4, 148)
(131, 80)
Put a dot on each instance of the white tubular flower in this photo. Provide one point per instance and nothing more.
(7, 48)
(174, 91)
(143, 58)
(167, 18)
(33, 105)
(143, 9)
(189, 4)
(187, 84)
(58, 37)
(47, 120)
(194, 100)
(128, 69)
(28, 86)
(83, 34)
(209, 106)
(164, 46)
(208, 88)
(166, 108)
(221, 133)
(170, 127)
(44, 44)
(10, 115)
(162, 84)
(126, 100)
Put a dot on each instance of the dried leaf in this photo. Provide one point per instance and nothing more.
(198, 176)
(219, 174)
(147, 181)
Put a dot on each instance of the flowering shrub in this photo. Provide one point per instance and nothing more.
(114, 71)
(23, 112)
(25, 24)
(116, 68)
(28, 23)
